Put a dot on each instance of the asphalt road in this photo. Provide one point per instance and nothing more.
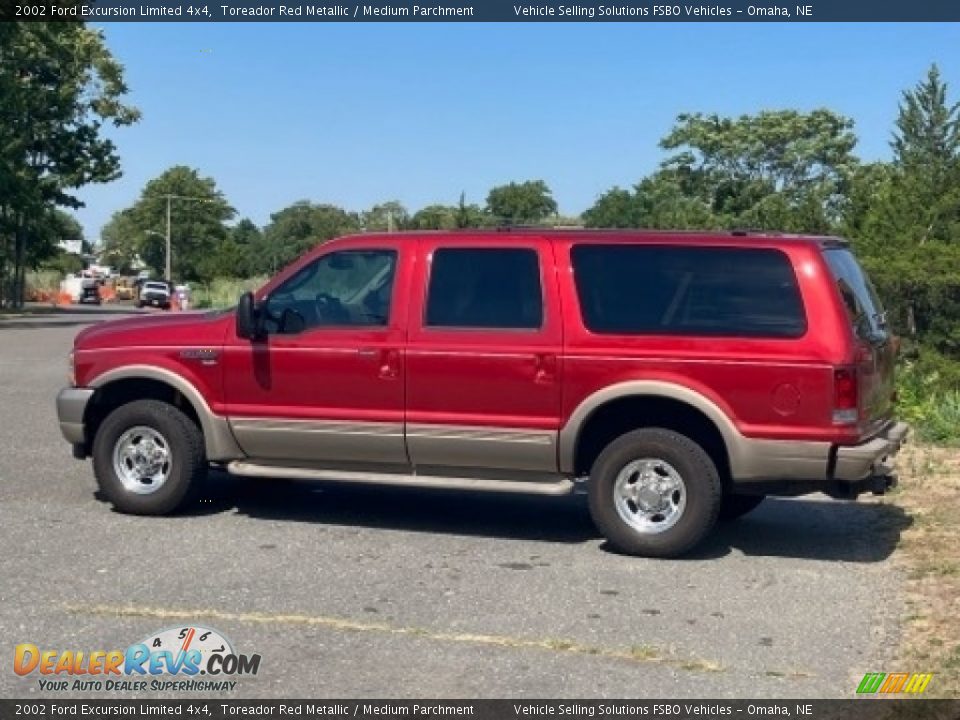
(367, 592)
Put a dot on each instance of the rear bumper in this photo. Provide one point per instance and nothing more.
(71, 407)
(162, 300)
(856, 462)
(798, 467)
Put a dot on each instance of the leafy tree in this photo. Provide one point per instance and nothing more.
(450, 217)
(659, 202)
(388, 216)
(780, 170)
(928, 128)
(234, 255)
(122, 240)
(198, 216)
(526, 202)
(908, 226)
(434, 217)
(48, 232)
(616, 208)
(298, 228)
(58, 86)
(863, 187)
(925, 192)
(471, 215)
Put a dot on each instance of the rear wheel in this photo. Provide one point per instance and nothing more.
(148, 458)
(735, 506)
(654, 492)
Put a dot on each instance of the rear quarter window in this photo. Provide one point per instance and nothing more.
(860, 300)
(668, 290)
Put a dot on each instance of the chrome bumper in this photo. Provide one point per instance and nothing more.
(857, 462)
(71, 406)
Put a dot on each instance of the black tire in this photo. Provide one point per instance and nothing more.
(736, 506)
(139, 304)
(187, 467)
(700, 480)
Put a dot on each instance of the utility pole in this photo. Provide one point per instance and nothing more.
(167, 271)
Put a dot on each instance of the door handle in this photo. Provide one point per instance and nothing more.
(388, 358)
(389, 364)
(545, 366)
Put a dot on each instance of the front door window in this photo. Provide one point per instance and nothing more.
(349, 288)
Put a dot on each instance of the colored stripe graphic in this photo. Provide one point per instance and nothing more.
(918, 682)
(893, 683)
(870, 683)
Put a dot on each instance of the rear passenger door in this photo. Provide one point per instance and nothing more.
(483, 358)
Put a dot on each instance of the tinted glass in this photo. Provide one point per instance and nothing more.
(485, 288)
(859, 298)
(656, 289)
(350, 288)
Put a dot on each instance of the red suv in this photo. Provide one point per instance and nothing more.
(683, 377)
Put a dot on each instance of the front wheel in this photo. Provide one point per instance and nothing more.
(654, 492)
(148, 458)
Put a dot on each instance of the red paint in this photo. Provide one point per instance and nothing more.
(517, 379)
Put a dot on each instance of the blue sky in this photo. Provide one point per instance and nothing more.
(354, 114)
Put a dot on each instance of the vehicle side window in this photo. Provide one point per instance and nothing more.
(667, 290)
(348, 288)
(859, 298)
(496, 288)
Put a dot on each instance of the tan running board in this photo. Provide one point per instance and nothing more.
(561, 486)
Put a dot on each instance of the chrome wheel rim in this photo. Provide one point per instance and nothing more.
(650, 495)
(142, 460)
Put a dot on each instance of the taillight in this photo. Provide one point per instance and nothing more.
(845, 400)
(71, 369)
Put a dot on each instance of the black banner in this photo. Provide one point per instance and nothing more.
(861, 709)
(483, 11)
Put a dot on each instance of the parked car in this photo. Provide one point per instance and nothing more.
(680, 377)
(155, 294)
(89, 291)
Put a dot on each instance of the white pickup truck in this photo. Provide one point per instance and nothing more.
(155, 294)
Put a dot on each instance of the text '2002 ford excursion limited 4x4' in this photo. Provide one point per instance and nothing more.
(685, 376)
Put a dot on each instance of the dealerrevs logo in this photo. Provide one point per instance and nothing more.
(172, 659)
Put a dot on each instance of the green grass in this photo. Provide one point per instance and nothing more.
(928, 389)
(48, 280)
(223, 292)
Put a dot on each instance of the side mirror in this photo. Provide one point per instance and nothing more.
(248, 326)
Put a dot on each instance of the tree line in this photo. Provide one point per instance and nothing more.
(206, 244)
(783, 170)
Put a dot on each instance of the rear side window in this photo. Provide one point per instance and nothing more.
(668, 290)
(496, 288)
(859, 298)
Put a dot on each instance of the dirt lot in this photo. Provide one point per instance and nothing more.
(929, 558)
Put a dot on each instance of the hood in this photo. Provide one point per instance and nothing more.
(181, 328)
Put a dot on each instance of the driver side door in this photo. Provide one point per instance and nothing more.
(325, 384)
